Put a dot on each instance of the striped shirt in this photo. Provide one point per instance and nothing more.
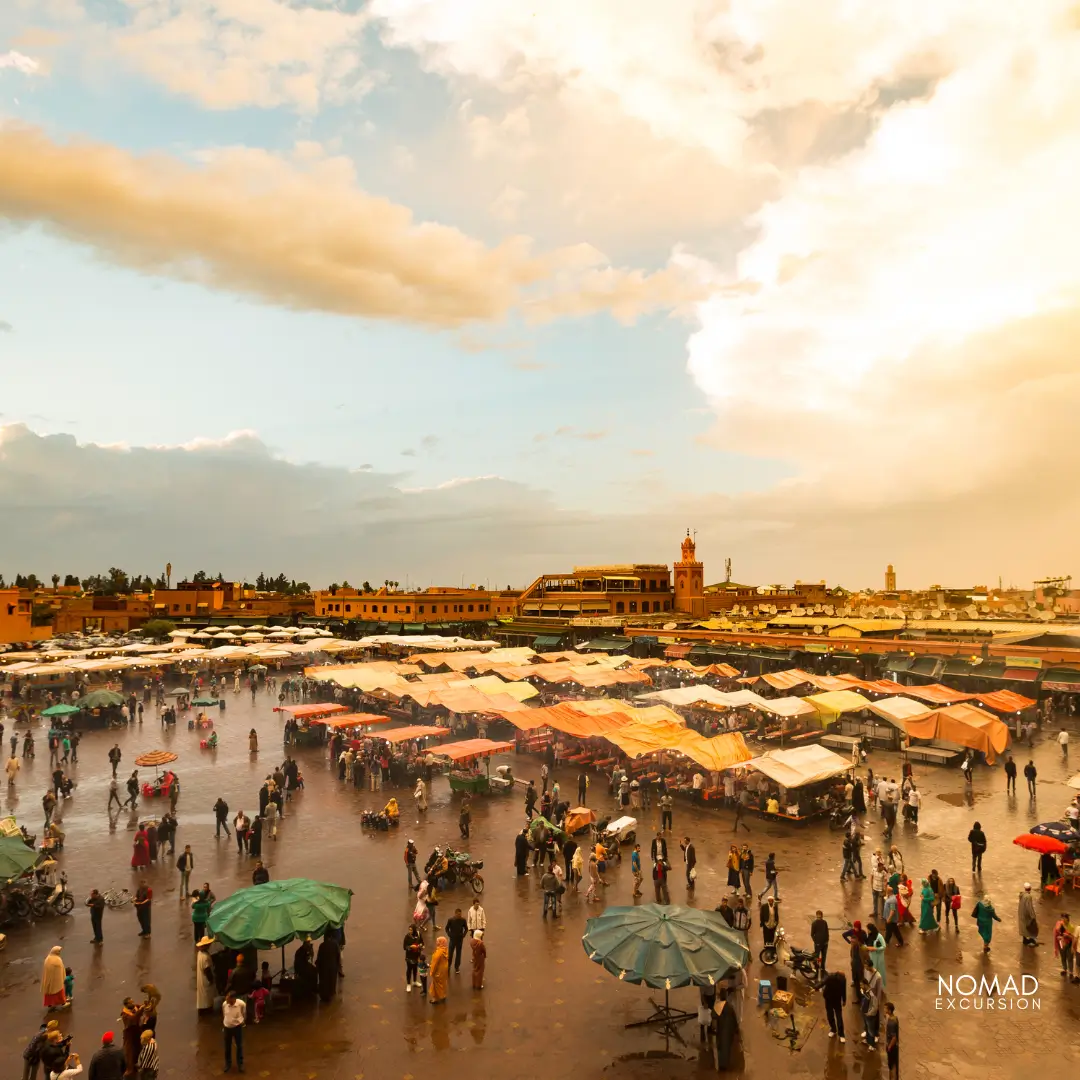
(148, 1056)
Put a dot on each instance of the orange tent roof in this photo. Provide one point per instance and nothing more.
(935, 693)
(788, 680)
(323, 708)
(353, 720)
(471, 748)
(964, 725)
(1006, 701)
(413, 731)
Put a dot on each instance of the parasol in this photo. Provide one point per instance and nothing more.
(60, 710)
(98, 699)
(205, 701)
(1045, 845)
(155, 758)
(1057, 830)
(665, 947)
(276, 912)
(15, 857)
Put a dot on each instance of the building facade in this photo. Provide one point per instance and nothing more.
(214, 601)
(597, 591)
(434, 605)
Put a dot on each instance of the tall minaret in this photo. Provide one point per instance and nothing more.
(690, 581)
(890, 578)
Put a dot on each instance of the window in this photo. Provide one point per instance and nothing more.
(384, 609)
(445, 608)
(348, 607)
(667, 605)
(408, 609)
(633, 605)
(470, 607)
(175, 607)
(395, 609)
(188, 607)
(619, 607)
(420, 610)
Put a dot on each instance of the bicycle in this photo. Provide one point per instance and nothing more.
(116, 898)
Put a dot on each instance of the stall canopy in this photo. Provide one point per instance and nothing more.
(471, 748)
(677, 651)
(353, 720)
(786, 680)
(1062, 680)
(800, 766)
(309, 712)
(787, 707)
(1005, 701)
(963, 725)
(688, 695)
(835, 702)
(935, 694)
(413, 731)
(898, 710)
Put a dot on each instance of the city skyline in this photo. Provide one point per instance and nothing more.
(475, 292)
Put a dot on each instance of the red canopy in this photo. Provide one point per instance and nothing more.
(1042, 844)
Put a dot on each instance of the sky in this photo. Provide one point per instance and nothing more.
(474, 290)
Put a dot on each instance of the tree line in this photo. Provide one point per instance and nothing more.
(118, 582)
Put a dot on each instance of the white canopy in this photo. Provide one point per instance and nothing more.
(800, 765)
(898, 709)
(690, 695)
(785, 706)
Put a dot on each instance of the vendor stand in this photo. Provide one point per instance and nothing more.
(465, 774)
(350, 725)
(800, 780)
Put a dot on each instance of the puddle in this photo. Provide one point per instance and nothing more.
(962, 798)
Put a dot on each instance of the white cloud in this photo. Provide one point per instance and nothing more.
(16, 61)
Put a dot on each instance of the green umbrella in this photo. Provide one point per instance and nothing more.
(539, 822)
(15, 857)
(60, 710)
(205, 701)
(98, 699)
(275, 913)
(665, 947)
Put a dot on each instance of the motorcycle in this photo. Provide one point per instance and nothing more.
(841, 817)
(47, 899)
(450, 867)
(799, 960)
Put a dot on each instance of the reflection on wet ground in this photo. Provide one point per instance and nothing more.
(546, 1010)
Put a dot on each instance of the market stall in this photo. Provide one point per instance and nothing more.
(464, 758)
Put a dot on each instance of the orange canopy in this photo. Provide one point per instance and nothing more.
(323, 708)
(1006, 701)
(964, 725)
(787, 680)
(471, 748)
(935, 693)
(354, 720)
(413, 731)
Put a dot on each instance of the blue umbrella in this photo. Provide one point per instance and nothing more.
(1058, 830)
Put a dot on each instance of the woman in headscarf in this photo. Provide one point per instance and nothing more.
(152, 841)
(52, 980)
(307, 977)
(328, 965)
(1064, 945)
(140, 856)
(875, 949)
(253, 741)
(927, 922)
(420, 795)
(479, 959)
(521, 853)
(204, 975)
(985, 916)
(129, 1017)
(1025, 917)
(733, 879)
(440, 971)
(255, 837)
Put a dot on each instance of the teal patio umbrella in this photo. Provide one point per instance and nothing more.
(15, 858)
(273, 914)
(665, 947)
(99, 699)
(205, 701)
(60, 710)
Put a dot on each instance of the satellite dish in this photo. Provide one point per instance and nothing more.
(819, 629)
(670, 625)
(936, 613)
(828, 609)
(972, 612)
(953, 616)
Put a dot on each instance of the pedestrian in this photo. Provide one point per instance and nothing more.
(635, 869)
(440, 972)
(855, 938)
(221, 817)
(1030, 773)
(550, 884)
(413, 946)
(545, 773)
(260, 875)
(1010, 775)
(914, 802)
(819, 935)
(1025, 917)
(148, 1048)
(465, 816)
(167, 831)
(32, 1052)
(253, 741)
(892, 1041)
(1065, 946)
(594, 878)
(877, 882)
(872, 1002)
(690, 861)
(200, 913)
(233, 1018)
(412, 874)
(582, 788)
(521, 853)
(977, 840)
(48, 804)
(456, 929)
(185, 864)
(834, 991)
(240, 827)
(108, 1062)
(420, 795)
(927, 920)
(1063, 742)
(769, 918)
(530, 800)
(140, 853)
(133, 790)
(12, 768)
(53, 995)
(666, 804)
(96, 903)
(660, 881)
(770, 877)
(875, 950)
(985, 916)
(746, 868)
(476, 917)
(951, 895)
(479, 959)
(144, 897)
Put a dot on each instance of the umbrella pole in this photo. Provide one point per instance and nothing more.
(665, 1018)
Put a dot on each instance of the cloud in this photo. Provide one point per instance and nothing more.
(429, 442)
(16, 61)
(573, 433)
(298, 234)
(140, 506)
(408, 452)
(6, 327)
(506, 206)
(226, 54)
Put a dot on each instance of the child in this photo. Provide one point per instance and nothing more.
(265, 978)
(69, 985)
(422, 970)
(260, 996)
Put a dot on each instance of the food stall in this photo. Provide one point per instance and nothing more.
(464, 758)
(800, 779)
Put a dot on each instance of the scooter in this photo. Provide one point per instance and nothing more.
(840, 818)
(799, 960)
(52, 899)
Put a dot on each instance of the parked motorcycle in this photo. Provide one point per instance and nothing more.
(799, 960)
(46, 899)
(840, 818)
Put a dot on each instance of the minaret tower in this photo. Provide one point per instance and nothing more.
(690, 581)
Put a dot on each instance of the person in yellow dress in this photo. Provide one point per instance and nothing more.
(440, 971)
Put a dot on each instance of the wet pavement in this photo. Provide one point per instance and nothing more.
(545, 1008)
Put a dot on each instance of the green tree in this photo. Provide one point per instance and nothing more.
(70, 580)
(158, 628)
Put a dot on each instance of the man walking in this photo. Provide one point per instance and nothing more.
(1063, 742)
(635, 869)
(770, 878)
(476, 917)
(114, 795)
(114, 758)
(456, 928)
(891, 910)
(221, 816)
(874, 992)
(892, 1041)
(977, 840)
(233, 1015)
(819, 935)
(12, 769)
(582, 788)
(550, 884)
(132, 790)
(1010, 775)
(666, 803)
(1029, 775)
(834, 991)
(690, 859)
